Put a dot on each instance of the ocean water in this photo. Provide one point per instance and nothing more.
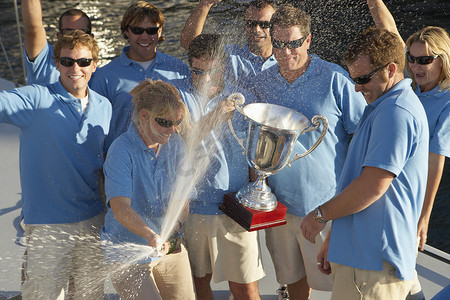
(334, 24)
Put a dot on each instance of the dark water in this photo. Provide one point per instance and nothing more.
(334, 24)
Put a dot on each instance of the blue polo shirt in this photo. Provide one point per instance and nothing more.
(134, 171)
(393, 136)
(243, 65)
(61, 151)
(43, 69)
(227, 168)
(437, 107)
(324, 89)
(119, 77)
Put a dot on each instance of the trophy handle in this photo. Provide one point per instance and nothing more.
(315, 125)
(239, 101)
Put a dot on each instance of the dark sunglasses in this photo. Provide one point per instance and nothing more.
(199, 72)
(253, 24)
(167, 123)
(366, 78)
(82, 62)
(140, 30)
(67, 30)
(277, 44)
(421, 60)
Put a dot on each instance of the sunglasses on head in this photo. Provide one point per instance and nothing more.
(68, 62)
(199, 72)
(67, 30)
(277, 44)
(366, 78)
(140, 30)
(421, 60)
(167, 123)
(253, 24)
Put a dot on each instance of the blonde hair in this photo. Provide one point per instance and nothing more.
(160, 99)
(137, 12)
(437, 42)
(76, 39)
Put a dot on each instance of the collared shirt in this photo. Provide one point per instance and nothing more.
(61, 151)
(243, 65)
(134, 171)
(43, 69)
(119, 77)
(437, 107)
(324, 89)
(393, 136)
(226, 168)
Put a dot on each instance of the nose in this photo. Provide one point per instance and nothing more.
(358, 87)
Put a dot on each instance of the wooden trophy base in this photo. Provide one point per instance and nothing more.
(252, 219)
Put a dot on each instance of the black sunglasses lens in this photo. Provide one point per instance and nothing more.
(66, 61)
(140, 30)
(69, 62)
(167, 123)
(410, 58)
(253, 24)
(362, 79)
(425, 60)
(152, 30)
(84, 62)
(137, 30)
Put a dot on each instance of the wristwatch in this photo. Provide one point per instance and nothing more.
(318, 215)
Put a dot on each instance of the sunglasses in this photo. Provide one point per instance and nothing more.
(277, 44)
(140, 30)
(261, 24)
(421, 60)
(366, 78)
(199, 72)
(82, 62)
(67, 30)
(167, 123)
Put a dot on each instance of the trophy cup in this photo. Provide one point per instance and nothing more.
(272, 133)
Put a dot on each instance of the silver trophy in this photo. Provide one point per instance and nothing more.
(272, 133)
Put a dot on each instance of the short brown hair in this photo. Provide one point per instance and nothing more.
(76, 39)
(380, 45)
(260, 4)
(160, 99)
(207, 46)
(137, 12)
(288, 16)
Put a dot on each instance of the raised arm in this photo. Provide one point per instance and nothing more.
(35, 36)
(382, 17)
(195, 22)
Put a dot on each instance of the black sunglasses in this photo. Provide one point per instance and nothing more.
(167, 123)
(421, 60)
(140, 30)
(253, 24)
(366, 78)
(277, 44)
(82, 62)
(67, 30)
(199, 72)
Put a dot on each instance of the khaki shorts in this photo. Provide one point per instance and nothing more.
(351, 283)
(294, 257)
(167, 278)
(217, 244)
(56, 252)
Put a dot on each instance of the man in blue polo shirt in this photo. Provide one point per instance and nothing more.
(383, 182)
(63, 129)
(311, 86)
(243, 63)
(40, 66)
(218, 247)
(141, 26)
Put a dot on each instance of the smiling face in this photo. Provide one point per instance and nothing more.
(152, 133)
(258, 38)
(75, 78)
(426, 76)
(143, 46)
(376, 87)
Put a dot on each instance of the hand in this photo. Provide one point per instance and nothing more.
(322, 258)
(209, 2)
(311, 227)
(422, 230)
(224, 110)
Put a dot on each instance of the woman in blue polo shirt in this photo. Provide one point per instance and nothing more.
(140, 169)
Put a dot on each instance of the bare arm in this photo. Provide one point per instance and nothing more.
(125, 214)
(435, 168)
(195, 22)
(35, 36)
(382, 17)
